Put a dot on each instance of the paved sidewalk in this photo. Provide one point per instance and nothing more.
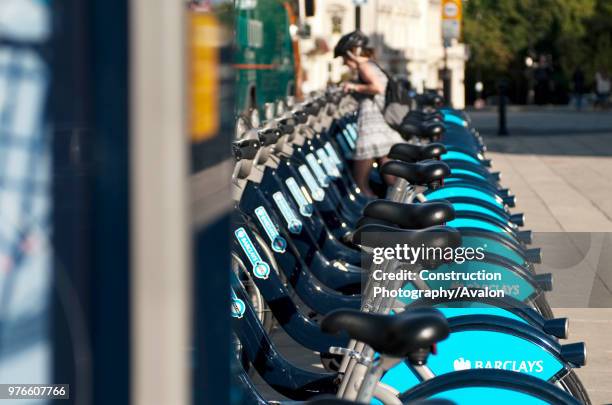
(563, 183)
(545, 121)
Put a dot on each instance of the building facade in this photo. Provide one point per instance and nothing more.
(405, 34)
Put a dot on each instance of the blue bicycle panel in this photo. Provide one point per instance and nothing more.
(478, 309)
(479, 209)
(484, 395)
(458, 191)
(478, 349)
(465, 172)
(493, 247)
(454, 155)
(475, 223)
(453, 119)
(513, 284)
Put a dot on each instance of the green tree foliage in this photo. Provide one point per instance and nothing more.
(597, 44)
(501, 33)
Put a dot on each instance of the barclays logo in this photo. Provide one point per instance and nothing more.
(299, 195)
(293, 223)
(462, 364)
(278, 243)
(521, 366)
(316, 192)
(261, 269)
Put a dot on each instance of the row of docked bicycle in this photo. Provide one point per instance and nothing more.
(304, 247)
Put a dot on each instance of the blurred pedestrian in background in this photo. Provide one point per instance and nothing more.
(542, 76)
(375, 136)
(579, 88)
(602, 88)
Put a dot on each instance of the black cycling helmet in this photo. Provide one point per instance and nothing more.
(350, 41)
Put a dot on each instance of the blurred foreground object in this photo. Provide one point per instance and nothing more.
(24, 20)
(25, 199)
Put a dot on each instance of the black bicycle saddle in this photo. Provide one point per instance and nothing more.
(431, 130)
(268, 136)
(245, 148)
(409, 334)
(286, 125)
(422, 173)
(426, 116)
(379, 235)
(411, 216)
(300, 116)
(410, 153)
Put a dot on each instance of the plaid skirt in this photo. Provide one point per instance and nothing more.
(375, 137)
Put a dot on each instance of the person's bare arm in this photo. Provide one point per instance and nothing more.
(372, 84)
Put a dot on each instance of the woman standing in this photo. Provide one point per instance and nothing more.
(375, 137)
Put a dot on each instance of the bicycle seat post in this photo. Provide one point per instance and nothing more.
(373, 376)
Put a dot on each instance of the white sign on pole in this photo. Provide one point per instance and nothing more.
(451, 19)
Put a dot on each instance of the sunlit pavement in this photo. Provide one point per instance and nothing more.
(559, 165)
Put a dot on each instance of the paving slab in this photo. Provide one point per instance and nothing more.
(560, 169)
